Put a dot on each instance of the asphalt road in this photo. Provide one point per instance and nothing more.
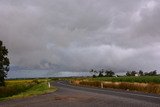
(73, 96)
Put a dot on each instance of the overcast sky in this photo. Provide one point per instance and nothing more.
(78, 35)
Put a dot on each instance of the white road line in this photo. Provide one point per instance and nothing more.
(115, 92)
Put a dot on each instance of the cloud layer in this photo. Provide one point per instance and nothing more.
(78, 35)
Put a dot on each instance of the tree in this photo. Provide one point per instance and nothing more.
(94, 72)
(154, 73)
(133, 73)
(128, 73)
(101, 73)
(146, 74)
(4, 63)
(140, 72)
(91, 71)
(151, 73)
(109, 73)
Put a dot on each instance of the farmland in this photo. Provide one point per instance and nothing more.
(24, 88)
(139, 79)
(148, 84)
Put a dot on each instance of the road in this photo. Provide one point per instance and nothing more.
(73, 96)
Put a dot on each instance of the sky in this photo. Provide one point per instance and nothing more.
(78, 35)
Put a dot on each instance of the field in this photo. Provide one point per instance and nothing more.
(148, 84)
(140, 79)
(24, 88)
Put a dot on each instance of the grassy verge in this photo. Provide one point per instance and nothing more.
(147, 84)
(24, 88)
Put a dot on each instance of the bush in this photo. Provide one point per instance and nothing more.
(36, 81)
(94, 76)
(15, 88)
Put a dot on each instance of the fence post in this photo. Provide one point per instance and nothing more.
(101, 84)
(49, 85)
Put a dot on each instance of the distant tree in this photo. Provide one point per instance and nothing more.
(4, 63)
(91, 71)
(101, 73)
(94, 76)
(128, 73)
(140, 72)
(154, 73)
(102, 70)
(146, 74)
(133, 73)
(151, 73)
(109, 73)
(94, 72)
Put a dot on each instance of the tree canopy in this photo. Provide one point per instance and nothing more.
(4, 63)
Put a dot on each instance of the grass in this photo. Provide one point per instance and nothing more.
(140, 79)
(148, 88)
(24, 88)
(148, 84)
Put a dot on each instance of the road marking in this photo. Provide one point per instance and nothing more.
(113, 91)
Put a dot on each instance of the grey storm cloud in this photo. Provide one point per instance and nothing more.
(79, 35)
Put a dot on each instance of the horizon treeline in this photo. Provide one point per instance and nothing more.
(110, 73)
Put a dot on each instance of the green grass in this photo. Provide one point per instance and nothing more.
(35, 90)
(140, 79)
(24, 88)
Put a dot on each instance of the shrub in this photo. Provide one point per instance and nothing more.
(15, 88)
(94, 76)
(36, 81)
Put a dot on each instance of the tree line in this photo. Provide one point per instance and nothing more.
(102, 73)
(141, 73)
(110, 73)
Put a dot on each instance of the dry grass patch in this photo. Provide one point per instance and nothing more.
(142, 87)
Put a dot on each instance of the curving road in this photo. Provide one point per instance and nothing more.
(73, 96)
